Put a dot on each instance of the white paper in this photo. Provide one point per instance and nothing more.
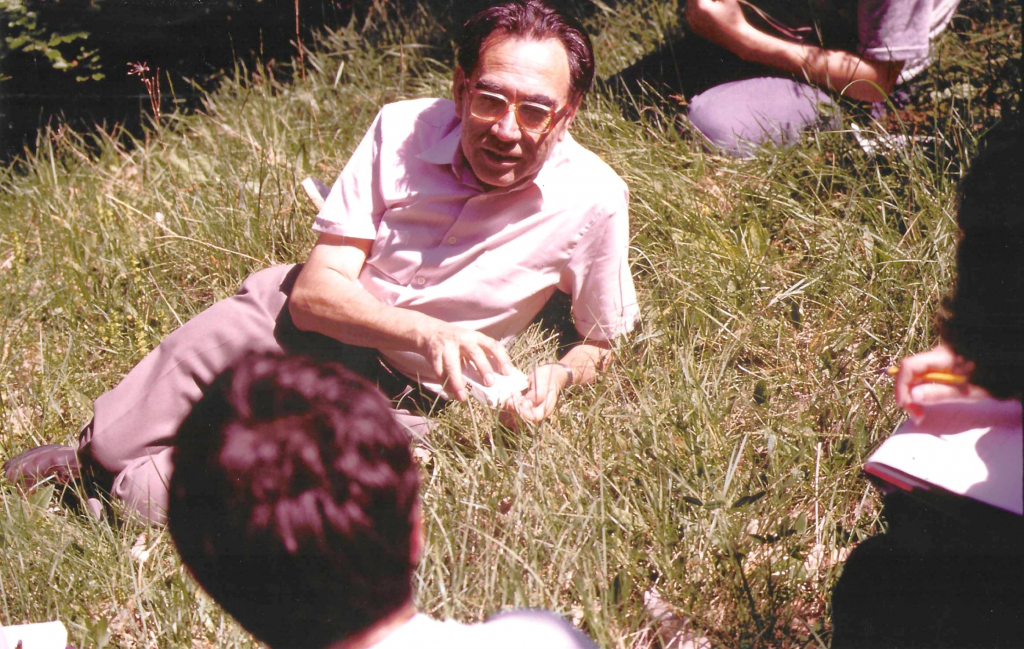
(43, 635)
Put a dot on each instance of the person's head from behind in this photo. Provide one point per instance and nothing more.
(983, 320)
(523, 69)
(293, 501)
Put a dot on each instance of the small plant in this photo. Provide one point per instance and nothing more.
(152, 83)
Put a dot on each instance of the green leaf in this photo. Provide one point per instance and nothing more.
(746, 500)
(761, 393)
(41, 496)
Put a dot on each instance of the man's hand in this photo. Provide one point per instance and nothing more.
(539, 400)
(938, 359)
(586, 359)
(449, 347)
(720, 21)
(327, 298)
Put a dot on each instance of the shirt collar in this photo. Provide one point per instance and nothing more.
(446, 150)
(558, 155)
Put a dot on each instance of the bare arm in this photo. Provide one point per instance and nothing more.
(328, 299)
(723, 22)
(587, 360)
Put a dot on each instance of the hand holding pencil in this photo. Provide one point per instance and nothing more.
(938, 365)
(945, 378)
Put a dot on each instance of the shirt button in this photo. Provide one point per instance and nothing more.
(452, 240)
(421, 281)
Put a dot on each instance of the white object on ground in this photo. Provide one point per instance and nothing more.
(875, 143)
(673, 630)
(42, 635)
(316, 190)
(505, 387)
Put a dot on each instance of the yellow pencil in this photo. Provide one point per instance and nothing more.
(945, 378)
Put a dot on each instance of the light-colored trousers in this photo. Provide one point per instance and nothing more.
(739, 116)
(131, 436)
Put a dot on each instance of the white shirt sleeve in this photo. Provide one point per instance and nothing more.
(355, 205)
(533, 629)
(598, 276)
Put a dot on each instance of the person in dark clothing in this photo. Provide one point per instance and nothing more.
(954, 577)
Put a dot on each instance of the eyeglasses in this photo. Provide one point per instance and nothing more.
(531, 116)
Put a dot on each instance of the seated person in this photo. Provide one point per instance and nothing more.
(449, 229)
(294, 503)
(760, 71)
(955, 578)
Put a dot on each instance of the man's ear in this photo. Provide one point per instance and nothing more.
(570, 115)
(458, 88)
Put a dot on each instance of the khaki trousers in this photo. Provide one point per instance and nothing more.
(129, 442)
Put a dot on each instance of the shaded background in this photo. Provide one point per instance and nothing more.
(187, 40)
(190, 42)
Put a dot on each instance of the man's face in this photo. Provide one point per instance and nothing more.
(502, 153)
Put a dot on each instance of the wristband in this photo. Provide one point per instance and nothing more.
(568, 372)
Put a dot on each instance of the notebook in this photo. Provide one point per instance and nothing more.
(965, 447)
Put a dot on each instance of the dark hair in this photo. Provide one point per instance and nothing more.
(293, 500)
(983, 320)
(535, 20)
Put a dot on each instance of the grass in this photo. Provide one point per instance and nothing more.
(718, 461)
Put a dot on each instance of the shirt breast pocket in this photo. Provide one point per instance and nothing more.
(396, 254)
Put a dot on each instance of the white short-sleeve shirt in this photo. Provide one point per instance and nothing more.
(484, 259)
(512, 630)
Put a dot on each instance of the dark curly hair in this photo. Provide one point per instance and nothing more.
(536, 20)
(983, 319)
(293, 500)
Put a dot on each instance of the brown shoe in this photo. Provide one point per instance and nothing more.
(35, 465)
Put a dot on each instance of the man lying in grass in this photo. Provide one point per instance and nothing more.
(448, 230)
(294, 504)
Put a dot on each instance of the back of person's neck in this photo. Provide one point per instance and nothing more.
(380, 630)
